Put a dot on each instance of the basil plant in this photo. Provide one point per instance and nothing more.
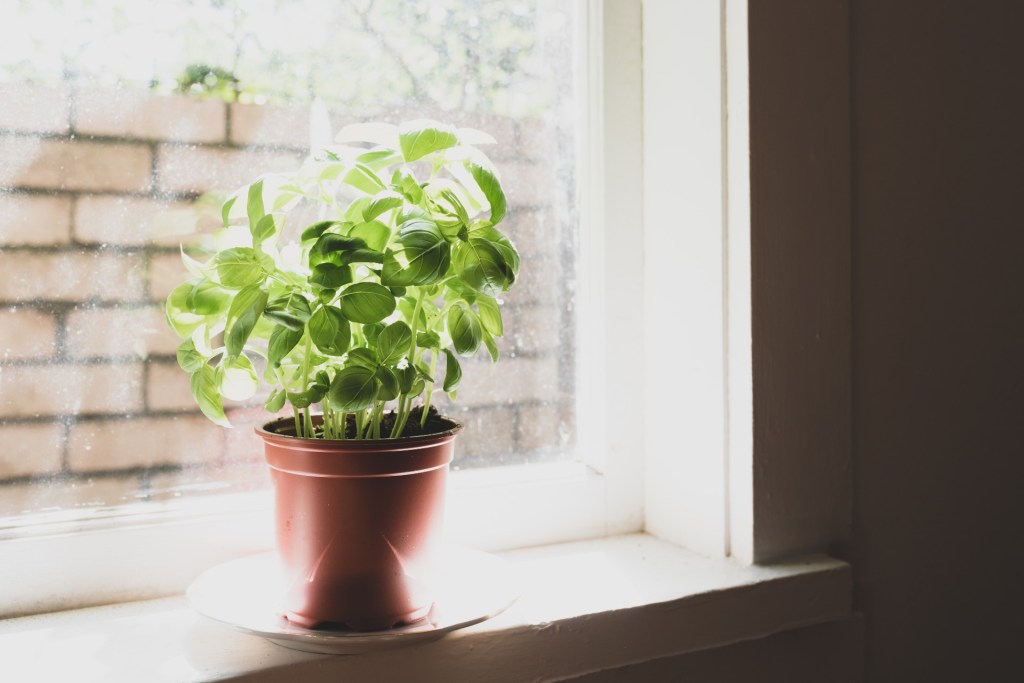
(398, 262)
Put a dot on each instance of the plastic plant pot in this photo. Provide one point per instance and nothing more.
(358, 525)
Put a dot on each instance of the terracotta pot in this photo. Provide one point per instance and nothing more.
(358, 524)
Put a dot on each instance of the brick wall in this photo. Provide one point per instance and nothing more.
(95, 187)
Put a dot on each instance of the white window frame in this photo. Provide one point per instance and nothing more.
(146, 550)
(662, 166)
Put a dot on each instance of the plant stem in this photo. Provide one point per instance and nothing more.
(415, 322)
(430, 388)
(396, 428)
(307, 352)
(298, 421)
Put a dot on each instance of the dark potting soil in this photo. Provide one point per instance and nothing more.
(435, 424)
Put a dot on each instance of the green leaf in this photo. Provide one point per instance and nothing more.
(316, 392)
(331, 275)
(423, 371)
(460, 290)
(428, 340)
(179, 317)
(491, 188)
(275, 401)
(383, 201)
(454, 206)
(245, 311)
(407, 305)
(406, 378)
(389, 388)
(286, 198)
(207, 298)
(201, 340)
(342, 250)
(236, 378)
(490, 315)
(254, 207)
(354, 388)
(380, 158)
(206, 395)
(282, 341)
(354, 212)
(192, 265)
(239, 267)
(265, 229)
(393, 343)
(404, 181)
(304, 399)
(464, 328)
(452, 371)
(314, 231)
(482, 266)
(291, 310)
(372, 332)
(374, 233)
(419, 138)
(492, 348)
(363, 357)
(363, 178)
(225, 211)
(502, 243)
(330, 331)
(366, 302)
(420, 255)
(189, 358)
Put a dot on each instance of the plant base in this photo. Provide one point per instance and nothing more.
(358, 525)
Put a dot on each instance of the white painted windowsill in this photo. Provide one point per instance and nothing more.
(585, 606)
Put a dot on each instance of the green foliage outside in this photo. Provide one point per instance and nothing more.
(370, 57)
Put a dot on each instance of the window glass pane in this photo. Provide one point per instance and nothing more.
(119, 119)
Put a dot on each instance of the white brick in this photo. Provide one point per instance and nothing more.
(205, 169)
(134, 221)
(30, 449)
(145, 115)
(113, 332)
(168, 388)
(166, 271)
(34, 220)
(33, 108)
(26, 334)
(550, 427)
(270, 125)
(512, 380)
(70, 277)
(70, 389)
(60, 164)
(144, 442)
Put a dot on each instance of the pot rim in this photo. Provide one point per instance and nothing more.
(385, 444)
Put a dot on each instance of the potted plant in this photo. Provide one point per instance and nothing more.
(348, 314)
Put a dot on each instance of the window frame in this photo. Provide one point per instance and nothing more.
(160, 547)
(762, 502)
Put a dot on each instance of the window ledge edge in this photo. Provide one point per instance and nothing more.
(585, 606)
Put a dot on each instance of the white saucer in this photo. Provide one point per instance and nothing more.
(244, 594)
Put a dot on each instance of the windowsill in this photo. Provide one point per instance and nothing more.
(585, 606)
